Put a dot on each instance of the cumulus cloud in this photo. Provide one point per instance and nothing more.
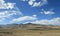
(41, 3)
(48, 12)
(4, 5)
(28, 0)
(23, 19)
(34, 15)
(31, 2)
(54, 21)
(34, 3)
(8, 10)
(6, 14)
(24, 0)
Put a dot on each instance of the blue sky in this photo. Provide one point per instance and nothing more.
(34, 11)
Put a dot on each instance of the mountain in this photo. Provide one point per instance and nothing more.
(29, 26)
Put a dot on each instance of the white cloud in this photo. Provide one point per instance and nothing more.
(6, 14)
(23, 19)
(54, 21)
(39, 4)
(31, 2)
(4, 5)
(28, 0)
(10, 5)
(26, 22)
(11, 11)
(34, 3)
(49, 12)
(34, 15)
(24, 0)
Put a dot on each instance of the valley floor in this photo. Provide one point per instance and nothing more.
(39, 33)
(31, 33)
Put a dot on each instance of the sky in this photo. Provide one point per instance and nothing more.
(30, 11)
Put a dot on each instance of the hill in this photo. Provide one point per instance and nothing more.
(29, 26)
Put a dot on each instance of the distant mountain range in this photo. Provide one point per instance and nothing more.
(28, 26)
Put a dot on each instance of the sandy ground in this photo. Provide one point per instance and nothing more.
(33, 33)
(38, 33)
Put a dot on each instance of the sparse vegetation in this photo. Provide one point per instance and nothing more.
(30, 30)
